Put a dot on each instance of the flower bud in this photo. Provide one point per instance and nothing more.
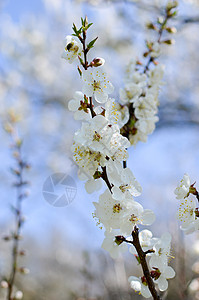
(23, 270)
(4, 284)
(119, 239)
(160, 20)
(18, 295)
(172, 4)
(169, 42)
(22, 253)
(171, 29)
(151, 26)
(7, 238)
(98, 61)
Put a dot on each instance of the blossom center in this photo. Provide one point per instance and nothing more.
(117, 208)
(124, 188)
(133, 218)
(71, 47)
(96, 85)
(97, 137)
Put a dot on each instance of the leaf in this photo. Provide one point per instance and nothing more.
(77, 32)
(89, 25)
(79, 70)
(91, 44)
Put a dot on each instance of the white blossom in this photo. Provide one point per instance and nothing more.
(81, 112)
(95, 83)
(93, 185)
(161, 251)
(100, 136)
(73, 48)
(156, 50)
(123, 181)
(188, 214)
(109, 244)
(108, 210)
(139, 286)
(182, 189)
(165, 272)
(135, 214)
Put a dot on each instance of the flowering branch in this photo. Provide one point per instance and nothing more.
(100, 146)
(20, 183)
(141, 88)
(162, 22)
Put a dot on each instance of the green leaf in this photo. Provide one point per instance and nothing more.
(91, 44)
(76, 31)
(89, 25)
(74, 28)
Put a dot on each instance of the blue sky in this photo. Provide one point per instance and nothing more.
(17, 8)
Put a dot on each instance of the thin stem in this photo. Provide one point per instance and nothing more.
(85, 51)
(18, 228)
(93, 114)
(160, 32)
(105, 178)
(19, 184)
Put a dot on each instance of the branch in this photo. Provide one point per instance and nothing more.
(142, 257)
(142, 260)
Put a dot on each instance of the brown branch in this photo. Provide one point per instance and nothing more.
(142, 257)
(124, 164)
(142, 260)
(105, 178)
(93, 114)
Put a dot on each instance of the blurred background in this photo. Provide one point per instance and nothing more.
(63, 244)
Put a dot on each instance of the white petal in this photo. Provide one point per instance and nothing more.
(87, 90)
(109, 88)
(93, 185)
(169, 272)
(101, 97)
(73, 105)
(82, 115)
(88, 76)
(135, 283)
(145, 291)
(162, 283)
(148, 217)
(117, 193)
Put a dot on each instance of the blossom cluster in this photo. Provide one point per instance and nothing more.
(188, 212)
(100, 150)
(140, 94)
(159, 252)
